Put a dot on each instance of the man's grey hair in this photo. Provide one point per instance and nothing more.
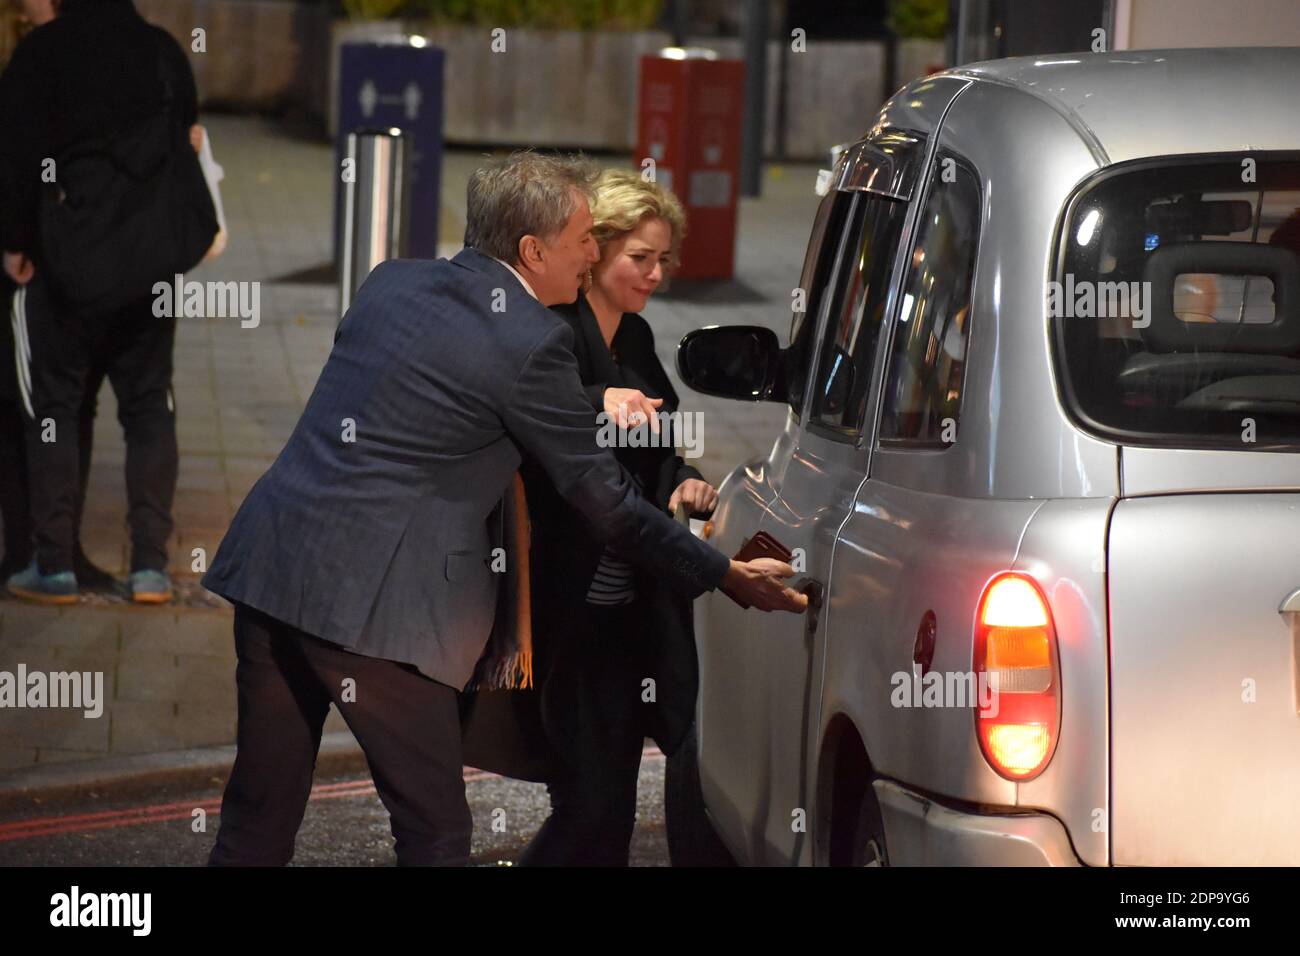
(525, 194)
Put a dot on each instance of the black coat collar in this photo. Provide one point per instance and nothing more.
(640, 367)
(602, 364)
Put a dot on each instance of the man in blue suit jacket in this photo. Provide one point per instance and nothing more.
(361, 564)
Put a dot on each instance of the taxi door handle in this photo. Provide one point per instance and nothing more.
(816, 592)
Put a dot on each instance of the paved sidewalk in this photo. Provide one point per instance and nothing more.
(169, 672)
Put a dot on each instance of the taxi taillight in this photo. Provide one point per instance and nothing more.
(1015, 656)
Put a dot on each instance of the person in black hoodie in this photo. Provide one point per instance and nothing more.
(15, 508)
(602, 626)
(91, 72)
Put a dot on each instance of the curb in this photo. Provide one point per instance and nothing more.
(120, 777)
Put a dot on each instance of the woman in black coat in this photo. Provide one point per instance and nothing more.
(615, 649)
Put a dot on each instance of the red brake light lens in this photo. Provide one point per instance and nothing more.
(1015, 652)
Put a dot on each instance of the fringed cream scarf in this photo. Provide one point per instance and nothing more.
(507, 664)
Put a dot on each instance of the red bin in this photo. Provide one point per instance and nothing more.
(689, 122)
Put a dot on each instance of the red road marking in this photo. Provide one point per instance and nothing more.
(160, 807)
(162, 812)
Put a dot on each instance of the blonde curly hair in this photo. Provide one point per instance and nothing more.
(624, 199)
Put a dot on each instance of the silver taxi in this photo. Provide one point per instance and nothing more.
(1041, 471)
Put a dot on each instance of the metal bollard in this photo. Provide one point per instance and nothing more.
(376, 207)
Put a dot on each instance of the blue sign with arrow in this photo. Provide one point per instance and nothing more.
(396, 84)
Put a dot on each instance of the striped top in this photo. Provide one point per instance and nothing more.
(614, 582)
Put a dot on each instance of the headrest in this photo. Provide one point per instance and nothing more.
(1168, 333)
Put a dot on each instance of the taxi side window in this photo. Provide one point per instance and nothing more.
(927, 360)
(857, 299)
(808, 298)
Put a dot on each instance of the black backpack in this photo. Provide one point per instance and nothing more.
(127, 211)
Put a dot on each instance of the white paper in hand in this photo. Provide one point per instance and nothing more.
(213, 174)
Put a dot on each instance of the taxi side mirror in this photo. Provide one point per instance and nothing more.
(733, 361)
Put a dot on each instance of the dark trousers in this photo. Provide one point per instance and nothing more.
(14, 507)
(15, 500)
(406, 723)
(68, 359)
(595, 718)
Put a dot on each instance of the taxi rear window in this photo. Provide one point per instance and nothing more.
(1175, 306)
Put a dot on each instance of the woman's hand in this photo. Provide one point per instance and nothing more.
(629, 407)
(695, 494)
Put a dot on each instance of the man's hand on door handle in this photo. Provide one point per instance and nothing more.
(761, 583)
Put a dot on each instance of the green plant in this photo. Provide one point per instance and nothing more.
(918, 19)
(540, 14)
(372, 9)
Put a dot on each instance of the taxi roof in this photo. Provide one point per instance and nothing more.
(1136, 103)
